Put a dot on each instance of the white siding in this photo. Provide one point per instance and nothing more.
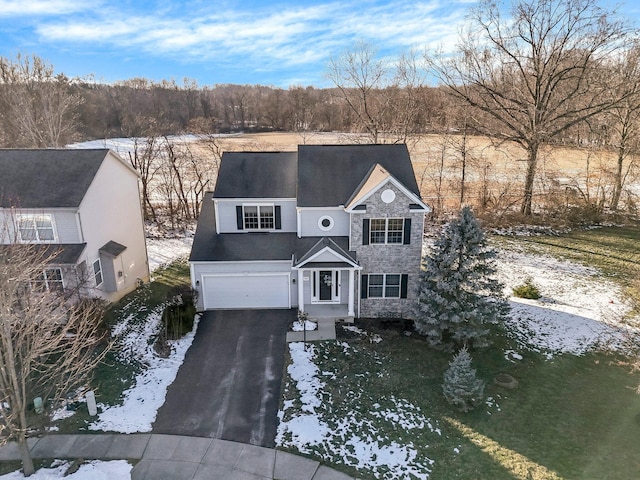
(226, 213)
(200, 270)
(310, 218)
(111, 211)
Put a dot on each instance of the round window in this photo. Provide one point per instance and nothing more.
(388, 196)
(325, 223)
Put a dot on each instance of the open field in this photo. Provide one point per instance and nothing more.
(494, 172)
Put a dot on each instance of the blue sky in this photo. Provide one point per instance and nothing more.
(268, 42)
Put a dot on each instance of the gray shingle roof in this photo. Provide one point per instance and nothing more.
(51, 253)
(242, 247)
(46, 178)
(257, 175)
(328, 175)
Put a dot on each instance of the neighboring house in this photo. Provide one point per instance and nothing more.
(332, 230)
(83, 208)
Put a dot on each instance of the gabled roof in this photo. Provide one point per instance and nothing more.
(323, 245)
(328, 175)
(378, 177)
(47, 178)
(257, 175)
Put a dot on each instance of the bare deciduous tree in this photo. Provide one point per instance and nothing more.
(48, 348)
(536, 73)
(39, 107)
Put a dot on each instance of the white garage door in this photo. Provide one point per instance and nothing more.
(246, 291)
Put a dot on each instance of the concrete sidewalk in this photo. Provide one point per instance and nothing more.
(172, 457)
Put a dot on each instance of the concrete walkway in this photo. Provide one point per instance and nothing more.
(172, 457)
(326, 330)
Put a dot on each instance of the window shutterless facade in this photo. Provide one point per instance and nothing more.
(36, 228)
(50, 280)
(97, 272)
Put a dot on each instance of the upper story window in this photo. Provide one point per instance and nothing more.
(386, 230)
(36, 228)
(258, 217)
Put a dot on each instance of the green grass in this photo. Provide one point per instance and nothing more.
(615, 251)
(113, 376)
(572, 417)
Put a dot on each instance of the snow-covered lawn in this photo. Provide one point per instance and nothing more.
(94, 470)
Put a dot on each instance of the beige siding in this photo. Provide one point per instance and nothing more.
(111, 211)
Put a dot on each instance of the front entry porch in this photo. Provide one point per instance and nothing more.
(339, 312)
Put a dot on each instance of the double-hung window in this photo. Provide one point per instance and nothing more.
(50, 280)
(36, 228)
(384, 286)
(386, 231)
(97, 272)
(258, 217)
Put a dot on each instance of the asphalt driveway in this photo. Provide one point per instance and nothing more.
(229, 384)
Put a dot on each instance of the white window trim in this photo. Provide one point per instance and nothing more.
(386, 231)
(32, 216)
(384, 285)
(94, 273)
(45, 278)
(258, 205)
(335, 286)
(323, 218)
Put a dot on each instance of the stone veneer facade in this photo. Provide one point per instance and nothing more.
(394, 258)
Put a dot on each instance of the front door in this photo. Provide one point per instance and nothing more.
(326, 285)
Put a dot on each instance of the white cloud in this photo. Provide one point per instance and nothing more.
(23, 8)
(289, 36)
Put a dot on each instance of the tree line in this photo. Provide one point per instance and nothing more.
(551, 72)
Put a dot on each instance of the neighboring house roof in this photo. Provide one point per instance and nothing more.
(257, 175)
(47, 178)
(328, 175)
(113, 249)
(52, 253)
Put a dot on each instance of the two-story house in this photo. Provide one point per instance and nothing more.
(332, 230)
(83, 208)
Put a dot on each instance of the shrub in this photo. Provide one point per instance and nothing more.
(461, 387)
(527, 290)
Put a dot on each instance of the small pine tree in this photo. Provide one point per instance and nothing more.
(458, 295)
(461, 387)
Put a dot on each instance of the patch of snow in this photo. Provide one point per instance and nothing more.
(162, 251)
(93, 470)
(354, 329)
(142, 401)
(578, 311)
(512, 356)
(300, 326)
(352, 440)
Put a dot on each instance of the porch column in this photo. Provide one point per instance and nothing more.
(351, 312)
(300, 290)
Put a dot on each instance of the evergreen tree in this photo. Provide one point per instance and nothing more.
(458, 295)
(461, 387)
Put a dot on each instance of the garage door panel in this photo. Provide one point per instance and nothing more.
(246, 291)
